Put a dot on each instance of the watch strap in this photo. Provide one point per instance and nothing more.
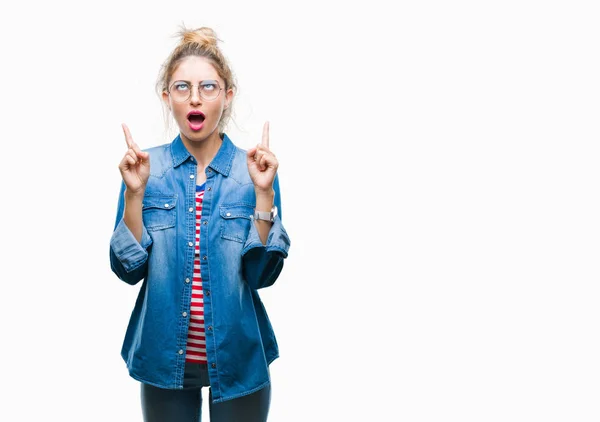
(266, 215)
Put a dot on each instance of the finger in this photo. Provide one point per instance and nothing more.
(130, 160)
(128, 137)
(131, 153)
(141, 154)
(262, 163)
(259, 155)
(135, 147)
(270, 161)
(127, 162)
(138, 151)
(265, 135)
(262, 148)
(250, 156)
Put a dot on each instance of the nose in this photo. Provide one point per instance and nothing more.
(195, 97)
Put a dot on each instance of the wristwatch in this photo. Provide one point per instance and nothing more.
(266, 216)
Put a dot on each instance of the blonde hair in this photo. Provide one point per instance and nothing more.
(201, 42)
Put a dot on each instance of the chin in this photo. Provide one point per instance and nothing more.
(199, 136)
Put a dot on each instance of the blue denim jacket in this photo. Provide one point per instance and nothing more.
(240, 342)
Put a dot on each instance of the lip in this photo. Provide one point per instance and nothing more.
(195, 112)
(195, 126)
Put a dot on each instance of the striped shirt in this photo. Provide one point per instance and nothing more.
(196, 341)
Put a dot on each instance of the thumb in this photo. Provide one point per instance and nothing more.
(250, 154)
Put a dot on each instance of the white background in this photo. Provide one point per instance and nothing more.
(439, 179)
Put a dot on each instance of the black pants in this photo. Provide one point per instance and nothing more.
(185, 405)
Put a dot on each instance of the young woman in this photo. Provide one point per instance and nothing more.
(199, 221)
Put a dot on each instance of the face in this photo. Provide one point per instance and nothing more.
(197, 118)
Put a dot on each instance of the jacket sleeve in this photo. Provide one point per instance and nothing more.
(128, 257)
(261, 264)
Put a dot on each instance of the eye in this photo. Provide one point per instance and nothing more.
(209, 86)
(181, 86)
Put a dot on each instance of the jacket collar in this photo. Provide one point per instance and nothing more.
(221, 163)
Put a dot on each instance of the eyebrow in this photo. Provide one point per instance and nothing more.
(201, 82)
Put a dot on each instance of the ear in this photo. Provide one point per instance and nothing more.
(228, 98)
(166, 99)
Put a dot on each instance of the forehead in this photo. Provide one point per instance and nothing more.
(194, 68)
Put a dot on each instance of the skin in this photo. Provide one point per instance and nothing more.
(203, 145)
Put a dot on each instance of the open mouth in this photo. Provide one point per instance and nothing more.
(196, 119)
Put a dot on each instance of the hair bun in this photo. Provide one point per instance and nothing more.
(205, 37)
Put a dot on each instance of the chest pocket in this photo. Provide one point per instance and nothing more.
(235, 221)
(158, 212)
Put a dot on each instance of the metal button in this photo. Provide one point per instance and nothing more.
(190, 244)
(180, 352)
(209, 188)
(207, 292)
(210, 328)
(166, 205)
(187, 280)
(184, 314)
(191, 209)
(204, 257)
(191, 176)
(205, 222)
(214, 365)
(228, 214)
(209, 170)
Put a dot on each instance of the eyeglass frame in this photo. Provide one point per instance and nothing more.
(192, 86)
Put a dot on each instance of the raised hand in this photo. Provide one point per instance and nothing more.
(135, 165)
(262, 163)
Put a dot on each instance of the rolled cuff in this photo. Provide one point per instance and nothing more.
(277, 240)
(127, 249)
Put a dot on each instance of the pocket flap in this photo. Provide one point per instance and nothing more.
(237, 211)
(165, 202)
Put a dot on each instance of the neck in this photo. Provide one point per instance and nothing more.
(203, 150)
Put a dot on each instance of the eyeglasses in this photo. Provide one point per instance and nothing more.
(181, 91)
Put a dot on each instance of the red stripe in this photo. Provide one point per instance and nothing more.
(197, 333)
(196, 360)
(196, 337)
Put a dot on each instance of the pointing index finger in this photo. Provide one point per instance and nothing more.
(128, 138)
(265, 135)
